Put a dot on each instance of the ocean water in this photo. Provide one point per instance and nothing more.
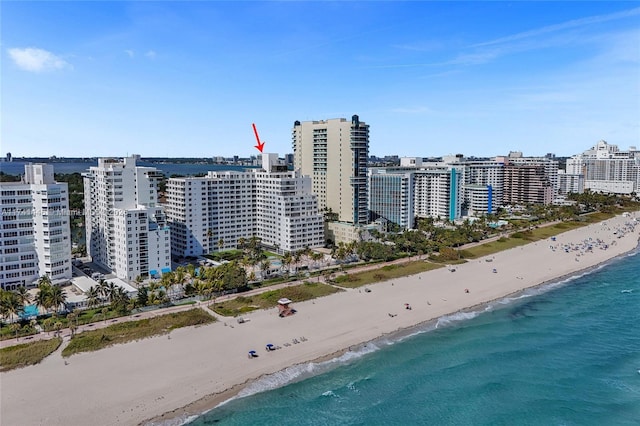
(567, 353)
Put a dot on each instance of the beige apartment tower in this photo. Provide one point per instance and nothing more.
(334, 154)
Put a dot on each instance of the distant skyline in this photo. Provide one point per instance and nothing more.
(187, 79)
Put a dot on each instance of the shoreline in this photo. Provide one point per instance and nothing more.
(213, 401)
(169, 381)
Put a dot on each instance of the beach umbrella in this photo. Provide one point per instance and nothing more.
(270, 347)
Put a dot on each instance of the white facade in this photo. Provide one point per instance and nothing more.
(215, 212)
(410, 162)
(210, 213)
(607, 169)
(483, 183)
(36, 236)
(570, 183)
(126, 229)
(438, 192)
(334, 153)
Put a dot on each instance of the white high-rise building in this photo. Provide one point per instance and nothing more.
(607, 169)
(483, 183)
(210, 213)
(438, 192)
(36, 237)
(215, 212)
(126, 228)
(400, 194)
(287, 217)
(570, 183)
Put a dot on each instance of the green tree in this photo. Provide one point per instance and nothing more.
(57, 298)
(143, 296)
(43, 297)
(15, 327)
(57, 327)
(93, 297)
(23, 295)
(11, 304)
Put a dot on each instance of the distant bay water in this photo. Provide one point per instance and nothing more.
(185, 169)
(567, 353)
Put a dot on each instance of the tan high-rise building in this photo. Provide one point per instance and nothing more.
(334, 153)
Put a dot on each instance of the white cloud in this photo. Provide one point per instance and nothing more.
(150, 54)
(37, 60)
(576, 23)
(129, 52)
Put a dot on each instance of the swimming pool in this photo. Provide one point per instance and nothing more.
(29, 311)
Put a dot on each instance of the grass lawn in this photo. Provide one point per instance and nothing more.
(385, 273)
(19, 356)
(269, 299)
(134, 330)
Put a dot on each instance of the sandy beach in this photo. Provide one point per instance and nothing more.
(196, 368)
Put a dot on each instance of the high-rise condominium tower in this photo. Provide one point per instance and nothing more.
(219, 210)
(35, 239)
(334, 153)
(126, 229)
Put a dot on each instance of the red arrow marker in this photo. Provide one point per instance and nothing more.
(260, 145)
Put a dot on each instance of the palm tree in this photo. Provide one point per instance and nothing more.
(46, 324)
(33, 323)
(57, 327)
(286, 260)
(13, 305)
(57, 298)
(296, 258)
(191, 271)
(264, 267)
(43, 298)
(120, 300)
(4, 304)
(93, 296)
(44, 280)
(103, 289)
(316, 256)
(209, 236)
(15, 327)
(220, 244)
(23, 295)
(72, 321)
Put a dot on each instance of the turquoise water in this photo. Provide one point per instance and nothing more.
(565, 354)
(29, 311)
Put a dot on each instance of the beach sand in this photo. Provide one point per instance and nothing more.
(196, 368)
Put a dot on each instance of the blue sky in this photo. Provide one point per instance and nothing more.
(430, 78)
